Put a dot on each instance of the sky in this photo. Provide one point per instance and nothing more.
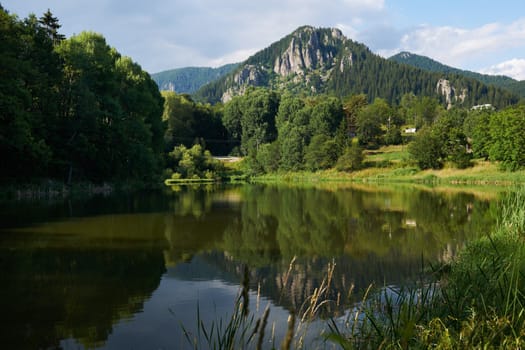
(478, 35)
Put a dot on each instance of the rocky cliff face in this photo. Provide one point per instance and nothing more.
(247, 75)
(451, 94)
(308, 50)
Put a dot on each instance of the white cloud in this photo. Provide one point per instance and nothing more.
(514, 68)
(233, 57)
(462, 46)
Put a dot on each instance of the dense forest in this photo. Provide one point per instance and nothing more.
(74, 109)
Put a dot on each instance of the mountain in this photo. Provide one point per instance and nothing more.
(428, 64)
(322, 60)
(190, 79)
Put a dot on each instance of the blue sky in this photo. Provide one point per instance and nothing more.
(485, 36)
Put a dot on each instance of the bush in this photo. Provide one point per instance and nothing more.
(427, 150)
(352, 159)
(193, 162)
(321, 153)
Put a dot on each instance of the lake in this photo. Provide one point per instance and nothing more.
(131, 272)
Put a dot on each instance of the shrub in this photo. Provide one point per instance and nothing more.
(352, 159)
(427, 150)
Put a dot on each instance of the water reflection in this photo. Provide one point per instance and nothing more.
(79, 278)
(54, 291)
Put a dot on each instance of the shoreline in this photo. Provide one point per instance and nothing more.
(480, 175)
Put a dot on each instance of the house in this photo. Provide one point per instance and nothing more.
(482, 107)
(410, 131)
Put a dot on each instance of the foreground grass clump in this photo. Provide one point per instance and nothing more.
(484, 294)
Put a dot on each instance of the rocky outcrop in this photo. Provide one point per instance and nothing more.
(307, 51)
(451, 94)
(248, 75)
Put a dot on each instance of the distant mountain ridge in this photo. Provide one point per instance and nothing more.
(322, 60)
(431, 65)
(189, 79)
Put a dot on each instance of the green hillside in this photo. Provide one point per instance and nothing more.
(428, 64)
(189, 79)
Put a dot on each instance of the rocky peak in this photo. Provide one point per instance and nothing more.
(309, 49)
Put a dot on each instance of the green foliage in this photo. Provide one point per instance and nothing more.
(112, 112)
(352, 159)
(269, 157)
(444, 140)
(28, 99)
(75, 108)
(258, 119)
(194, 162)
(325, 117)
(427, 149)
(449, 129)
(369, 121)
(251, 119)
(189, 122)
(292, 150)
(506, 134)
(393, 136)
(352, 105)
(321, 153)
(477, 128)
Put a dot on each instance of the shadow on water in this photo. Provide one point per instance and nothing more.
(88, 266)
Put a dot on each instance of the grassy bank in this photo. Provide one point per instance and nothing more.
(392, 164)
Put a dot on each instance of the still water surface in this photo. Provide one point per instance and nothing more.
(126, 272)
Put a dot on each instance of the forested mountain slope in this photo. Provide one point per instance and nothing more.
(311, 61)
(428, 64)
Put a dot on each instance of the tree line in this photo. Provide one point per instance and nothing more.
(74, 109)
(285, 132)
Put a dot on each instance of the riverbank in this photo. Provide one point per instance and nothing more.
(391, 164)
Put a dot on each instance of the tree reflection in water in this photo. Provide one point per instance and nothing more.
(77, 278)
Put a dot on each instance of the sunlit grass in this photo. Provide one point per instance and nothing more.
(392, 164)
